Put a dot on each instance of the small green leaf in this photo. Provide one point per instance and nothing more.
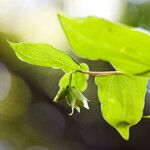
(60, 95)
(96, 38)
(122, 100)
(44, 55)
(79, 80)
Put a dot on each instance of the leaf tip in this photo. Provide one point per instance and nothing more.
(63, 19)
(124, 132)
(11, 44)
(60, 16)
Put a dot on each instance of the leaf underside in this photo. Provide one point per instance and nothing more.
(96, 38)
(122, 100)
(44, 55)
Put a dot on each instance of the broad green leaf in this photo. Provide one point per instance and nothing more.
(44, 55)
(79, 80)
(96, 38)
(122, 100)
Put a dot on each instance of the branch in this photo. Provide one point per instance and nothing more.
(95, 73)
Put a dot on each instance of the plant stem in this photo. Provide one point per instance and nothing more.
(95, 73)
(70, 79)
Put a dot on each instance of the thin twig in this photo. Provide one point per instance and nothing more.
(95, 73)
(70, 79)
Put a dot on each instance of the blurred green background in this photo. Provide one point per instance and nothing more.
(29, 119)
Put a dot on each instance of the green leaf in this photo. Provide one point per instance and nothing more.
(96, 38)
(60, 95)
(79, 80)
(44, 55)
(122, 100)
